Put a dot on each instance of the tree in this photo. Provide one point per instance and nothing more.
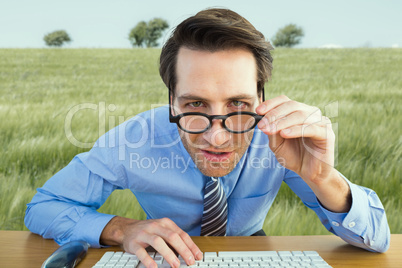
(154, 31)
(147, 33)
(137, 34)
(57, 38)
(288, 36)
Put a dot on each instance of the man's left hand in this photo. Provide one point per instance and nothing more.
(303, 141)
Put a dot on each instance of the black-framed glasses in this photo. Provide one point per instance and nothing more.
(196, 123)
(236, 122)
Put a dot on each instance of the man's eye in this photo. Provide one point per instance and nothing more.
(237, 103)
(196, 104)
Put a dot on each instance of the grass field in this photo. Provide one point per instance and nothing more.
(360, 89)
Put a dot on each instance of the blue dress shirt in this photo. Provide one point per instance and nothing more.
(145, 154)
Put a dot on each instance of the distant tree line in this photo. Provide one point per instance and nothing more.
(147, 34)
(144, 34)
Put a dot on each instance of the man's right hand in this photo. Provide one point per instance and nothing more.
(135, 236)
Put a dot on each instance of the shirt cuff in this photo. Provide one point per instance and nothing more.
(89, 228)
(354, 220)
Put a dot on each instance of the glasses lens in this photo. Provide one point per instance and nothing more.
(240, 122)
(194, 123)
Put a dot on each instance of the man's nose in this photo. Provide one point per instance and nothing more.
(217, 135)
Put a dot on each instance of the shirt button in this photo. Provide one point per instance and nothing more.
(352, 224)
(334, 223)
(372, 243)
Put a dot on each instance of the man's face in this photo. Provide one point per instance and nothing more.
(215, 83)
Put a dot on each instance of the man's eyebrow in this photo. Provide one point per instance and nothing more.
(199, 98)
(242, 97)
(190, 97)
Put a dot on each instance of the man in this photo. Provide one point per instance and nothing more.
(215, 65)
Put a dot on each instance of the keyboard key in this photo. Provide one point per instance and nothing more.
(311, 253)
(158, 259)
(210, 254)
(297, 253)
(132, 263)
(106, 256)
(284, 253)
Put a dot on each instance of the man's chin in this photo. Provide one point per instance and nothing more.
(215, 169)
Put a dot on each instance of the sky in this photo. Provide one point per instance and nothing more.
(107, 23)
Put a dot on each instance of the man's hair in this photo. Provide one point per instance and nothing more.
(216, 30)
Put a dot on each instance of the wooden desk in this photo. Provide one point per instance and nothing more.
(24, 249)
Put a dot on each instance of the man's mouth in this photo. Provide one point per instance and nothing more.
(216, 156)
(216, 152)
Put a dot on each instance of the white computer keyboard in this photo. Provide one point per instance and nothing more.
(224, 259)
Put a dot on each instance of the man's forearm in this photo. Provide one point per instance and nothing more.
(333, 193)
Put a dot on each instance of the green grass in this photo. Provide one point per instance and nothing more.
(360, 89)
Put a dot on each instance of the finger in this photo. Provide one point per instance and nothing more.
(267, 105)
(297, 118)
(181, 242)
(275, 140)
(160, 246)
(187, 239)
(313, 131)
(144, 257)
(290, 107)
(284, 109)
(316, 140)
(153, 235)
(191, 245)
(174, 240)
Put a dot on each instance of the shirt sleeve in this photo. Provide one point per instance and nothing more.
(64, 209)
(364, 226)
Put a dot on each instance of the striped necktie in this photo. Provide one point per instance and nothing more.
(215, 213)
